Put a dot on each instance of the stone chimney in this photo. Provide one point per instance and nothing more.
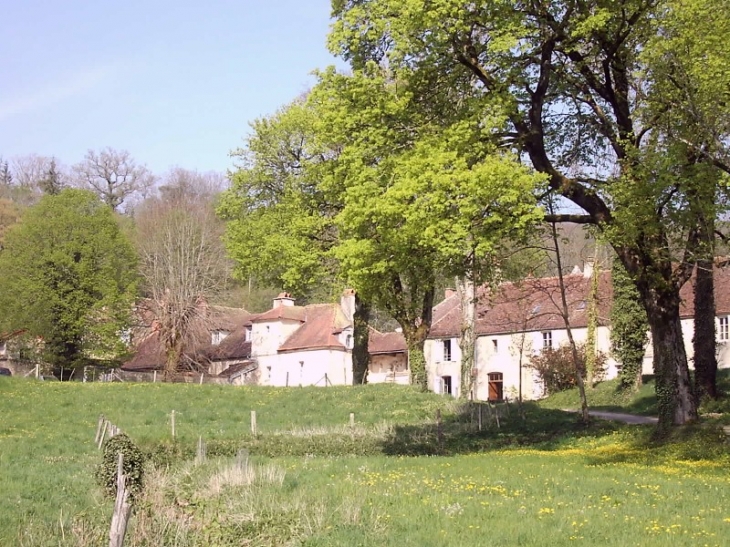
(588, 268)
(449, 292)
(284, 299)
(347, 303)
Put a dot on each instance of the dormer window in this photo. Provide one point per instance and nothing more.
(217, 336)
(348, 341)
(249, 330)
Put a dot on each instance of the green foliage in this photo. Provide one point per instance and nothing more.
(556, 369)
(279, 225)
(133, 462)
(629, 328)
(68, 277)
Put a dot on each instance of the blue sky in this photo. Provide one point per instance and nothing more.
(176, 83)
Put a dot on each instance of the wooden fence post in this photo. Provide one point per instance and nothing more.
(479, 417)
(201, 455)
(352, 419)
(154, 377)
(201, 378)
(253, 423)
(99, 424)
(172, 423)
(103, 432)
(122, 509)
(439, 430)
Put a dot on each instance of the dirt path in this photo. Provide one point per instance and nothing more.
(620, 417)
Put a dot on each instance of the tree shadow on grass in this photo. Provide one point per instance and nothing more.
(502, 426)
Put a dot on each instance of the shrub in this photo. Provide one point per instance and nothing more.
(556, 369)
(132, 465)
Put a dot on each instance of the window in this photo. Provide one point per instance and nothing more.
(249, 330)
(496, 383)
(724, 334)
(495, 345)
(447, 385)
(348, 341)
(447, 351)
(547, 339)
(217, 336)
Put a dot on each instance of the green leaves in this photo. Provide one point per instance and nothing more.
(68, 276)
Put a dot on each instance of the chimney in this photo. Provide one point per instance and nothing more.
(449, 292)
(347, 303)
(588, 268)
(576, 270)
(284, 299)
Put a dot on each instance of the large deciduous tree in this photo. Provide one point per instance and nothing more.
(579, 86)
(68, 277)
(423, 195)
(113, 175)
(183, 266)
(280, 226)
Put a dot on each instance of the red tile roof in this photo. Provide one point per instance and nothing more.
(535, 304)
(322, 324)
(386, 342)
(292, 313)
(150, 355)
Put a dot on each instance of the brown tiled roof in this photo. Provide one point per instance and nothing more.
(149, 353)
(293, 313)
(722, 294)
(229, 319)
(233, 346)
(535, 304)
(238, 367)
(322, 324)
(385, 342)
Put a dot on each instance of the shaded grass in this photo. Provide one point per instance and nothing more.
(608, 397)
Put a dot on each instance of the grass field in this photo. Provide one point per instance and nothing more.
(311, 480)
(607, 396)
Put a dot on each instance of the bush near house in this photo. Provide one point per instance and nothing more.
(556, 368)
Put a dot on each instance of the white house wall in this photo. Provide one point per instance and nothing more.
(688, 331)
(307, 368)
(501, 353)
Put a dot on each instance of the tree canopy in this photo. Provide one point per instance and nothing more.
(590, 95)
(67, 277)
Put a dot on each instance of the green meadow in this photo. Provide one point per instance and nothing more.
(309, 478)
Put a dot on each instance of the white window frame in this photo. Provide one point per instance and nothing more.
(723, 330)
(547, 339)
(448, 350)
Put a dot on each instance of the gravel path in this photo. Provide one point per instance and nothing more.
(620, 417)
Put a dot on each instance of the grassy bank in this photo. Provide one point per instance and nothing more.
(607, 396)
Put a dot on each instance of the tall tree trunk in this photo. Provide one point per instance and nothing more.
(415, 340)
(705, 357)
(565, 313)
(467, 297)
(675, 397)
(360, 355)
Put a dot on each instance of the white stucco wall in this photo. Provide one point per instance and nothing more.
(268, 336)
(688, 331)
(501, 353)
(306, 368)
